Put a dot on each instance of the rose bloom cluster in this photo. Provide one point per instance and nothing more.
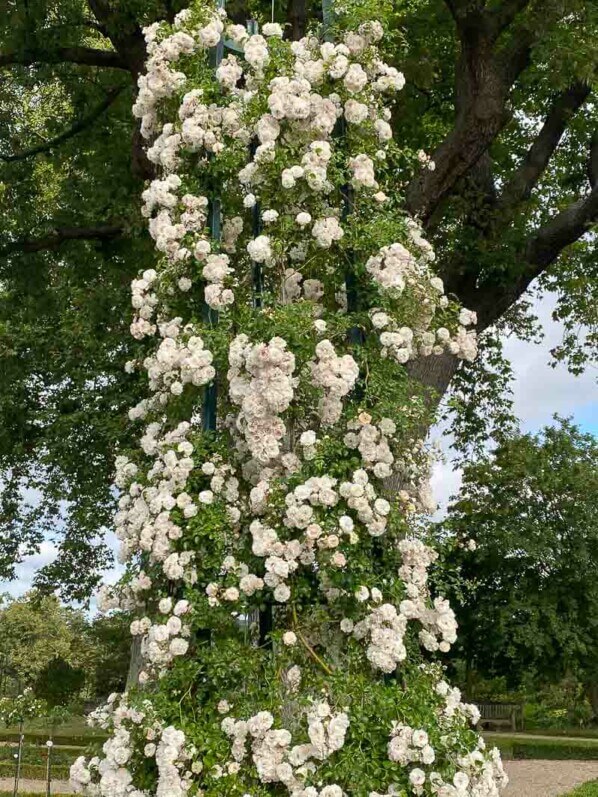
(273, 575)
(135, 733)
(274, 756)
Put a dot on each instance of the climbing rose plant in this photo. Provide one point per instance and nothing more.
(288, 634)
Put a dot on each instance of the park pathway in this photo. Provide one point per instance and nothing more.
(35, 786)
(527, 779)
(547, 778)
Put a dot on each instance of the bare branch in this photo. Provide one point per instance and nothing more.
(86, 56)
(78, 127)
(58, 236)
(521, 184)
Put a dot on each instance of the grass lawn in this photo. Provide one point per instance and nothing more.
(587, 790)
(587, 732)
(518, 747)
(74, 726)
(75, 732)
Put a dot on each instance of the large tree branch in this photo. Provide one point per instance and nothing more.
(86, 56)
(542, 248)
(473, 18)
(72, 131)
(483, 80)
(593, 161)
(470, 138)
(484, 77)
(124, 32)
(568, 226)
(515, 58)
(504, 15)
(464, 10)
(99, 232)
(520, 186)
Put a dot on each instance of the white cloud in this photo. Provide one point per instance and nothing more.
(26, 571)
(540, 390)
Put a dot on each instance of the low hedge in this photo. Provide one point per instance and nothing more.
(34, 754)
(33, 771)
(518, 748)
(60, 740)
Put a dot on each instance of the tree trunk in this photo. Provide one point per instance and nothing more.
(297, 19)
(435, 372)
(135, 663)
(592, 695)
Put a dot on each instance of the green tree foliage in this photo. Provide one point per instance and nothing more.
(59, 682)
(111, 651)
(528, 594)
(501, 94)
(34, 631)
(58, 651)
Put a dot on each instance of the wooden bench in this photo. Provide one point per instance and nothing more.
(501, 715)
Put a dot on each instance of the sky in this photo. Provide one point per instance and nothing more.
(539, 391)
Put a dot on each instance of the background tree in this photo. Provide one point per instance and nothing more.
(500, 93)
(107, 666)
(59, 682)
(59, 652)
(34, 630)
(528, 594)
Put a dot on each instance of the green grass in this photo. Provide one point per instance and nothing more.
(75, 732)
(587, 790)
(33, 771)
(516, 747)
(573, 732)
(37, 754)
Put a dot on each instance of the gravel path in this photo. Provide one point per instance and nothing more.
(25, 785)
(527, 779)
(547, 778)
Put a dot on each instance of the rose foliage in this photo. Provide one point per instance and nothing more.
(287, 630)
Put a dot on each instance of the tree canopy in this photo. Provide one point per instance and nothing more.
(34, 633)
(57, 651)
(500, 94)
(528, 594)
